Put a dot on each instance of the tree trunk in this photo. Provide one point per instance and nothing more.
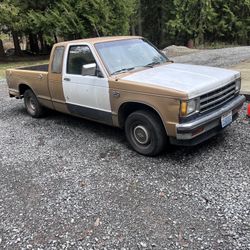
(140, 20)
(133, 30)
(42, 43)
(162, 25)
(16, 44)
(2, 53)
(33, 43)
(55, 38)
(46, 48)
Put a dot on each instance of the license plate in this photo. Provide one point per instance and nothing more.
(226, 119)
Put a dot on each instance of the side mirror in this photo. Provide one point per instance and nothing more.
(89, 69)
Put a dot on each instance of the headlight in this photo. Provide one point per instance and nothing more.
(238, 85)
(189, 107)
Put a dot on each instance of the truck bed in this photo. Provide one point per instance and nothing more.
(42, 67)
(33, 77)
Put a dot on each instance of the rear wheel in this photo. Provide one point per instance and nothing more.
(33, 107)
(145, 133)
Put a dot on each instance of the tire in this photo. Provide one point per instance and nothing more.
(145, 133)
(32, 105)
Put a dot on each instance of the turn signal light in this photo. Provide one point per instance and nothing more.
(183, 108)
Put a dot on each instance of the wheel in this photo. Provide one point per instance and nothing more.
(32, 105)
(145, 133)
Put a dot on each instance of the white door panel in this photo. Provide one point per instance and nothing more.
(87, 91)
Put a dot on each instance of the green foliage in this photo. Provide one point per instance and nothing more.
(162, 21)
(207, 20)
(10, 17)
(192, 19)
(73, 19)
(233, 22)
(154, 16)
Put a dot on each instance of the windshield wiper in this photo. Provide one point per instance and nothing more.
(123, 70)
(152, 64)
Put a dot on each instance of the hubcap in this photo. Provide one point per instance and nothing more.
(141, 135)
(31, 104)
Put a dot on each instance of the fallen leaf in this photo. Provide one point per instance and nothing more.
(97, 222)
(162, 194)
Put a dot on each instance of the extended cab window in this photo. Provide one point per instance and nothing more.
(79, 55)
(57, 60)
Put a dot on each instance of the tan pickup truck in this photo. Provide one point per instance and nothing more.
(126, 82)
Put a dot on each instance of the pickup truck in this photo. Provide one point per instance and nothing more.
(128, 83)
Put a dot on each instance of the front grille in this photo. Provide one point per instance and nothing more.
(217, 97)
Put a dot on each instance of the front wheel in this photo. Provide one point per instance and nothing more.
(145, 133)
(33, 107)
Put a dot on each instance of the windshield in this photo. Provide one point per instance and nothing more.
(125, 55)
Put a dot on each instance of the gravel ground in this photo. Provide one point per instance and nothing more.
(217, 57)
(67, 183)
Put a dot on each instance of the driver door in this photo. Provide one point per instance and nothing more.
(86, 95)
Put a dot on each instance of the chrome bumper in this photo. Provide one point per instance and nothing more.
(193, 129)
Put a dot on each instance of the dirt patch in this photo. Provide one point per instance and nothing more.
(173, 51)
(244, 68)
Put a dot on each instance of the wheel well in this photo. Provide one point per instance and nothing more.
(127, 108)
(22, 89)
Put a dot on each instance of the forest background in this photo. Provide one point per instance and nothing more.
(182, 22)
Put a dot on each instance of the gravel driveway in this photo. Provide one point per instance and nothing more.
(67, 183)
(217, 57)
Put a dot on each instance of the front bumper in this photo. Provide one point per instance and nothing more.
(201, 129)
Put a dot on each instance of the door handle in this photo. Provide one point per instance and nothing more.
(67, 79)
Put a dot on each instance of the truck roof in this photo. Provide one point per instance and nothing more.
(100, 39)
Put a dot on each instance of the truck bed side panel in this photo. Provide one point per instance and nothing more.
(36, 80)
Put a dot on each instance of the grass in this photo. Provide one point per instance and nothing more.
(3, 36)
(9, 65)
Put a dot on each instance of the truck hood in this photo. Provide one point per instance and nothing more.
(191, 79)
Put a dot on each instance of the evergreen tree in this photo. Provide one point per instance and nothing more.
(191, 20)
(72, 19)
(162, 22)
(233, 21)
(154, 15)
(12, 21)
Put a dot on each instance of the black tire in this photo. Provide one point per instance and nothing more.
(33, 107)
(145, 133)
